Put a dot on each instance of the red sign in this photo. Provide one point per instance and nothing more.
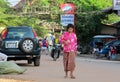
(68, 8)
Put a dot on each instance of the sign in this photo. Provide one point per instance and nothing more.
(68, 8)
(11, 44)
(68, 15)
(118, 12)
(67, 19)
(116, 4)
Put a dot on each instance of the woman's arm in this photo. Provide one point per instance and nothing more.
(63, 39)
(75, 37)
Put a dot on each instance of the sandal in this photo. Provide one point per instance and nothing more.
(72, 77)
(65, 76)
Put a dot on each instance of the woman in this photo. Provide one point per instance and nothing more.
(69, 42)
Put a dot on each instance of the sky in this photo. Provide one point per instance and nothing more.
(13, 2)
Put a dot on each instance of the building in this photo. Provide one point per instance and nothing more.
(112, 29)
(19, 6)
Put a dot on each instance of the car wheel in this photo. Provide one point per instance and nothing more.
(36, 61)
(27, 45)
(29, 61)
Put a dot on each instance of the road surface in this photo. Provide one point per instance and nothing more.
(87, 70)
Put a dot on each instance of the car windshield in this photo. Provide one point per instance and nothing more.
(116, 43)
(110, 42)
(18, 33)
(113, 43)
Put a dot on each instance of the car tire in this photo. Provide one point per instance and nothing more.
(29, 61)
(27, 45)
(37, 61)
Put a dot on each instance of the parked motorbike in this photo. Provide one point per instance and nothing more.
(79, 49)
(55, 53)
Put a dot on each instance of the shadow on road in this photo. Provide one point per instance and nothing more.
(25, 65)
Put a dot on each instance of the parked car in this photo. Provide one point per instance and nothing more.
(100, 40)
(106, 48)
(21, 43)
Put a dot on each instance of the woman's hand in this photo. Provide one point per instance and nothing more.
(76, 53)
(66, 42)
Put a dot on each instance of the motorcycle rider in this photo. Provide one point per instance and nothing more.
(56, 45)
(49, 40)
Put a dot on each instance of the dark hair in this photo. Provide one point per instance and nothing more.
(70, 26)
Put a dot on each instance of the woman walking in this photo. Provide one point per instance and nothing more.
(69, 42)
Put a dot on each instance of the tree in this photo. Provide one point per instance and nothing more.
(88, 16)
(3, 10)
(9, 18)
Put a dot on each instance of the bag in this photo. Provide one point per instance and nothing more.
(10, 67)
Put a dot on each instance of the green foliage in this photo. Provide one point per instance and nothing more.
(88, 25)
(88, 17)
(3, 10)
(41, 2)
(95, 4)
(111, 18)
(8, 18)
(33, 21)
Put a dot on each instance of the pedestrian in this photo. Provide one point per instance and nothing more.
(40, 42)
(44, 47)
(112, 53)
(69, 41)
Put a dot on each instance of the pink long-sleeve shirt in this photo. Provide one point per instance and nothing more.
(72, 42)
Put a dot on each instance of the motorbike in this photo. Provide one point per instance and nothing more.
(55, 52)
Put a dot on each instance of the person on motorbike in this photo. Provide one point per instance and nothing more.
(56, 47)
(49, 40)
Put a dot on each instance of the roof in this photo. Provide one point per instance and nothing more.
(19, 27)
(104, 36)
(109, 10)
(117, 24)
(113, 25)
(20, 4)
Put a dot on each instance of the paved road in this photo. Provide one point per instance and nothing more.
(87, 70)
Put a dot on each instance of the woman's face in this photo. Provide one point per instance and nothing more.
(70, 29)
